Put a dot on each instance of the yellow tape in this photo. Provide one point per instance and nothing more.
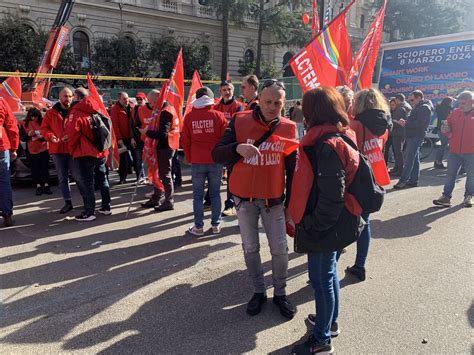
(93, 77)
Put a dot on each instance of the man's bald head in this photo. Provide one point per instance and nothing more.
(65, 97)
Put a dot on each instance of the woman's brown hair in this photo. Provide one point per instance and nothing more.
(324, 105)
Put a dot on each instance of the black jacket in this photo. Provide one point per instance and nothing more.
(161, 134)
(401, 112)
(442, 112)
(376, 121)
(225, 152)
(419, 120)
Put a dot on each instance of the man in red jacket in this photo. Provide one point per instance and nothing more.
(459, 128)
(9, 140)
(122, 121)
(53, 129)
(89, 162)
(203, 127)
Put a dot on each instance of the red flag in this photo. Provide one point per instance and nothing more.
(228, 78)
(10, 90)
(360, 76)
(173, 93)
(102, 109)
(195, 84)
(327, 59)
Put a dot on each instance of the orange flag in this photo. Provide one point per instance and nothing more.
(10, 90)
(96, 96)
(195, 84)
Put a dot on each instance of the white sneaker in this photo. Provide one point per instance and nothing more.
(229, 212)
(199, 232)
(216, 229)
(467, 201)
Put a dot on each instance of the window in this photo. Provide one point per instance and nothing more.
(81, 48)
(362, 21)
(249, 57)
(287, 69)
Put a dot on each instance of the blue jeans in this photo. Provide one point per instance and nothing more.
(84, 175)
(213, 174)
(300, 129)
(6, 197)
(363, 243)
(442, 148)
(455, 161)
(411, 169)
(322, 270)
(63, 164)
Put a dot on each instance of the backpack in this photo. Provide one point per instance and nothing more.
(367, 192)
(101, 131)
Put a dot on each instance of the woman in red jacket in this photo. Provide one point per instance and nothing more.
(37, 150)
(327, 216)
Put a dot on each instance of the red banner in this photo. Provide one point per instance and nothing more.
(327, 59)
(173, 93)
(360, 76)
(58, 46)
(195, 84)
(96, 96)
(373, 150)
(10, 90)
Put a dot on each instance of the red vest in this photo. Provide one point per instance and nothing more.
(230, 109)
(251, 104)
(173, 134)
(262, 178)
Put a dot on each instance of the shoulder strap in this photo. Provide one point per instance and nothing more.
(326, 136)
(266, 135)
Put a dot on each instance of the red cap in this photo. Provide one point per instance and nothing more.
(140, 95)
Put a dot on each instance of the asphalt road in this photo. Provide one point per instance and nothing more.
(139, 285)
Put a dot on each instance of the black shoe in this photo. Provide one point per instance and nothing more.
(177, 183)
(66, 208)
(311, 346)
(165, 206)
(255, 304)
(400, 186)
(151, 203)
(334, 326)
(357, 271)
(8, 220)
(47, 190)
(287, 310)
(439, 165)
(105, 211)
(411, 184)
(85, 217)
(39, 191)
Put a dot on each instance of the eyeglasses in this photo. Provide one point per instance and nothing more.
(272, 82)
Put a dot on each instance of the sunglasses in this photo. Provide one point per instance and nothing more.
(272, 82)
(140, 99)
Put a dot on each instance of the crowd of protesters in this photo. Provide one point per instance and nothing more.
(273, 173)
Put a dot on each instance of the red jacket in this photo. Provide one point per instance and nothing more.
(203, 127)
(9, 136)
(461, 137)
(79, 130)
(35, 144)
(303, 177)
(121, 121)
(54, 125)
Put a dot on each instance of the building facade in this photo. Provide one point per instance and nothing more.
(184, 19)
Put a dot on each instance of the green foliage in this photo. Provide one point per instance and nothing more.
(268, 70)
(120, 56)
(21, 48)
(163, 52)
(418, 19)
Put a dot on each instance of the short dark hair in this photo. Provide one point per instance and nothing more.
(324, 105)
(252, 80)
(204, 91)
(418, 94)
(33, 112)
(400, 97)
